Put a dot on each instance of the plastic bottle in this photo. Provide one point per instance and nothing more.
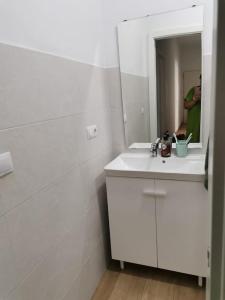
(166, 145)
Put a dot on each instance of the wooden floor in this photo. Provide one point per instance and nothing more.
(143, 283)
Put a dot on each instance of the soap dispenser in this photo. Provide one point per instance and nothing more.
(166, 145)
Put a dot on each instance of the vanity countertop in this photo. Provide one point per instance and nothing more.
(143, 165)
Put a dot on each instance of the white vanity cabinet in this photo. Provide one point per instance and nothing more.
(182, 226)
(159, 223)
(132, 220)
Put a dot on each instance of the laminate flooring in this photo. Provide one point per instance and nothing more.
(144, 283)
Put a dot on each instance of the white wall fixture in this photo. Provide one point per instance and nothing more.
(6, 164)
(92, 132)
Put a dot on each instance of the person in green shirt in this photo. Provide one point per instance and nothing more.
(192, 103)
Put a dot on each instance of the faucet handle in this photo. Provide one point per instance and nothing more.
(154, 147)
(157, 141)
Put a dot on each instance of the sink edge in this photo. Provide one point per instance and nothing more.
(155, 175)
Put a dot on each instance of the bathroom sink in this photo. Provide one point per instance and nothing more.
(192, 164)
(145, 166)
(129, 161)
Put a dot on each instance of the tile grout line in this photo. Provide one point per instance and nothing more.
(38, 123)
(43, 257)
(58, 56)
(53, 182)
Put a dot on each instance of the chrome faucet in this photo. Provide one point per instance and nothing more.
(154, 147)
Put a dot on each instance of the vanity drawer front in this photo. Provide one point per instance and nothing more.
(182, 226)
(131, 205)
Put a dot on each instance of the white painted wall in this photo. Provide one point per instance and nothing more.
(69, 28)
(73, 28)
(191, 58)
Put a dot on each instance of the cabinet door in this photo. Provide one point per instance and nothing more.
(131, 206)
(182, 226)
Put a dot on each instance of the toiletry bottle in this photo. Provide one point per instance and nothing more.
(166, 145)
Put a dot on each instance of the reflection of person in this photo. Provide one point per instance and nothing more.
(192, 103)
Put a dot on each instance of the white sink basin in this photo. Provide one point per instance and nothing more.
(192, 164)
(128, 161)
(144, 165)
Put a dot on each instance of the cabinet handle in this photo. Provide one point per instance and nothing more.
(155, 194)
(161, 194)
(149, 193)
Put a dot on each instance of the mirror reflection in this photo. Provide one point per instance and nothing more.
(178, 64)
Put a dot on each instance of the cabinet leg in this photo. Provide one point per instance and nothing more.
(200, 281)
(121, 265)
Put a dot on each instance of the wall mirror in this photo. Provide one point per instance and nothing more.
(161, 64)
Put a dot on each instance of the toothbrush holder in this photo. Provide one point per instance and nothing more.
(182, 148)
